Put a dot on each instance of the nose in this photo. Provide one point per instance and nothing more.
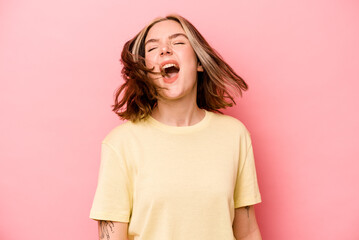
(166, 50)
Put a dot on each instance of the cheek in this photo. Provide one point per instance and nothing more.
(151, 65)
(148, 62)
(190, 57)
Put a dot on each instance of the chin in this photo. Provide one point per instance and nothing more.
(177, 93)
(171, 97)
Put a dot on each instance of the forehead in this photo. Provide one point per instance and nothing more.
(164, 29)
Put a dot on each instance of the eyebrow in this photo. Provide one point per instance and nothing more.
(170, 37)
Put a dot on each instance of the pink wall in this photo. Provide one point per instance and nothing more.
(59, 67)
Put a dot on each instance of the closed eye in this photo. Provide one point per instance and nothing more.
(177, 43)
(149, 50)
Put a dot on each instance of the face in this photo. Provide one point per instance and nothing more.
(167, 49)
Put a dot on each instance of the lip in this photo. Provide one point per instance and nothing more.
(173, 79)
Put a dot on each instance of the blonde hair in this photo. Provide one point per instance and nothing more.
(215, 86)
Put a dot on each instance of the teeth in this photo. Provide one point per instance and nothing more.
(169, 65)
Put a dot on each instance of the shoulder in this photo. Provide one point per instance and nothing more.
(226, 122)
(118, 133)
(126, 131)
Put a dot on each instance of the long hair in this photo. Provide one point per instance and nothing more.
(135, 99)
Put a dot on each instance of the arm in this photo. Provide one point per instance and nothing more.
(245, 225)
(108, 230)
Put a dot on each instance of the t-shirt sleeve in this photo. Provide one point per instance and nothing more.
(246, 189)
(113, 197)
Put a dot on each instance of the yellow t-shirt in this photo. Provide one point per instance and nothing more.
(176, 183)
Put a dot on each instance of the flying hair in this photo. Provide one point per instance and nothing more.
(137, 96)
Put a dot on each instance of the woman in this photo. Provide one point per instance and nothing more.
(178, 169)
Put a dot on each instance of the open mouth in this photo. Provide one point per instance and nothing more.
(170, 71)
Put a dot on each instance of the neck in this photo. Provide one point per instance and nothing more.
(182, 112)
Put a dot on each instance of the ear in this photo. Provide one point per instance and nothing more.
(199, 67)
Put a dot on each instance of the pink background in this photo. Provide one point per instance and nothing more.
(59, 69)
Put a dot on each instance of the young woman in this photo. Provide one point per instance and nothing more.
(178, 169)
